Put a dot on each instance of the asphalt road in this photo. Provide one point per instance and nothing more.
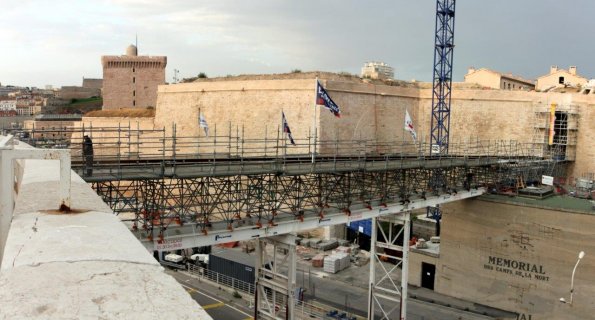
(221, 306)
(208, 298)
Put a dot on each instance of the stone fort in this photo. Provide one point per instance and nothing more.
(130, 80)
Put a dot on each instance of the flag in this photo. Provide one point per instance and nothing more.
(203, 123)
(409, 125)
(286, 128)
(323, 99)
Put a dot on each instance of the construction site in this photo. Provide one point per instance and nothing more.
(484, 195)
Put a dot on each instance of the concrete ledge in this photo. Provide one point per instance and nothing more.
(81, 265)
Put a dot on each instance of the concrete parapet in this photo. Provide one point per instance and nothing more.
(80, 265)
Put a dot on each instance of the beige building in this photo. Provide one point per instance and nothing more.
(378, 70)
(560, 78)
(130, 81)
(515, 254)
(492, 79)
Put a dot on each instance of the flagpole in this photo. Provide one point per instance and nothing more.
(283, 135)
(314, 119)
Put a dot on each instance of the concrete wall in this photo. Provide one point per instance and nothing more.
(477, 235)
(82, 265)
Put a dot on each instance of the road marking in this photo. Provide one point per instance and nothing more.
(213, 305)
(208, 296)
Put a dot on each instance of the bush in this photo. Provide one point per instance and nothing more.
(236, 294)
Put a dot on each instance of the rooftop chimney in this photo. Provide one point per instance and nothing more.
(572, 70)
(553, 69)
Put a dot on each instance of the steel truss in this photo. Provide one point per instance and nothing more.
(265, 198)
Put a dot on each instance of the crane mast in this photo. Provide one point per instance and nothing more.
(442, 78)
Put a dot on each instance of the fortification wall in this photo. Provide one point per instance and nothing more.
(68, 93)
(136, 137)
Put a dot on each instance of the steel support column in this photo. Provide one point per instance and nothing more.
(385, 292)
(275, 278)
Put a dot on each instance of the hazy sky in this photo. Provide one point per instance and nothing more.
(61, 41)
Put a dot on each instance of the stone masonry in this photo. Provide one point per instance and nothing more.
(130, 81)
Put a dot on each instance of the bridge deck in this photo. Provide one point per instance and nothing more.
(193, 168)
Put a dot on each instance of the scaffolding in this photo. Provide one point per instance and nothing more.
(555, 130)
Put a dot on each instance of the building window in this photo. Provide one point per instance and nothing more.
(134, 93)
(133, 69)
(133, 79)
(134, 103)
(561, 80)
(509, 86)
(513, 86)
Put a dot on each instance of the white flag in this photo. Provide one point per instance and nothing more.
(203, 123)
(409, 125)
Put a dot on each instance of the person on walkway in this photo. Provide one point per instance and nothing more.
(88, 155)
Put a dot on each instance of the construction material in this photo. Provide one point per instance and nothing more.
(336, 262)
(328, 245)
(318, 260)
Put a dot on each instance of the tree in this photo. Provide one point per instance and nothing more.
(202, 75)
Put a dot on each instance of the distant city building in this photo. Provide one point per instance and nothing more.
(560, 78)
(6, 90)
(8, 108)
(130, 81)
(497, 80)
(377, 70)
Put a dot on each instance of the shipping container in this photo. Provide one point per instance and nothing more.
(235, 264)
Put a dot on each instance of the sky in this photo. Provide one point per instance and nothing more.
(61, 41)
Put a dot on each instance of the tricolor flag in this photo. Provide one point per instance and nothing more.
(286, 128)
(409, 125)
(202, 122)
(323, 99)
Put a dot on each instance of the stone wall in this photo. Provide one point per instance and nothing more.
(480, 239)
(93, 83)
(131, 82)
(72, 92)
(373, 112)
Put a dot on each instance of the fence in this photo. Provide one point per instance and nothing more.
(303, 310)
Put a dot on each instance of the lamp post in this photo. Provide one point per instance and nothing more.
(580, 256)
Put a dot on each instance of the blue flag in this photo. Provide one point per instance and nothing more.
(323, 99)
(286, 128)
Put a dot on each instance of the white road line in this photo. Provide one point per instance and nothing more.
(208, 296)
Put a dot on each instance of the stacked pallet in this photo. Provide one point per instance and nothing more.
(318, 260)
(332, 264)
(336, 262)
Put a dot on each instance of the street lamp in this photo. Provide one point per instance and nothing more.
(580, 256)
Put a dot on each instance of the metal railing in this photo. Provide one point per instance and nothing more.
(303, 309)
